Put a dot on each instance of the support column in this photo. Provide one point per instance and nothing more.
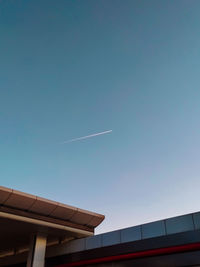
(36, 256)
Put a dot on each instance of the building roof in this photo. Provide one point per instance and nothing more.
(22, 215)
(31, 204)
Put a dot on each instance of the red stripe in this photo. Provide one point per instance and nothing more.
(140, 254)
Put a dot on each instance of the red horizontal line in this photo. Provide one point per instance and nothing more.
(140, 254)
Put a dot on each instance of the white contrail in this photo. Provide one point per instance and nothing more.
(87, 136)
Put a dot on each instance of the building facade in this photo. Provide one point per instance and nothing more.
(36, 232)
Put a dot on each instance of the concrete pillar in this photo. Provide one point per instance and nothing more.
(36, 256)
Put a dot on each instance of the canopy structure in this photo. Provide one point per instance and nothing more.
(23, 215)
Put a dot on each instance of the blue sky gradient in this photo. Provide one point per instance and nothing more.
(73, 68)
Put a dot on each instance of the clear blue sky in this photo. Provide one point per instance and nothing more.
(73, 68)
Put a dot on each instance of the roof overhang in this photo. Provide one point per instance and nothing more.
(23, 214)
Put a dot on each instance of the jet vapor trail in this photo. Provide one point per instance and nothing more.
(87, 136)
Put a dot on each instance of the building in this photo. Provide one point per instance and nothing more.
(37, 232)
(29, 225)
